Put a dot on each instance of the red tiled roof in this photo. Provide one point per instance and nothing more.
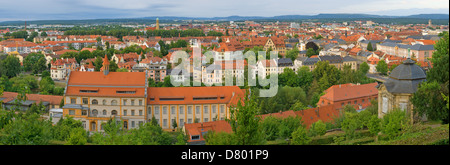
(282, 115)
(193, 129)
(349, 91)
(187, 95)
(53, 100)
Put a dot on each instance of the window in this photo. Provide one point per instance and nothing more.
(132, 112)
(197, 110)
(214, 109)
(132, 124)
(164, 110)
(356, 102)
(85, 101)
(164, 122)
(124, 112)
(132, 102)
(113, 102)
(189, 121)
(71, 112)
(173, 110)
(95, 102)
(181, 110)
(104, 112)
(181, 123)
(195, 137)
(140, 102)
(205, 120)
(156, 110)
(94, 112)
(205, 109)
(124, 102)
(362, 100)
(84, 124)
(83, 112)
(384, 108)
(113, 112)
(189, 109)
(73, 101)
(140, 112)
(104, 102)
(125, 92)
(403, 106)
(222, 108)
(140, 123)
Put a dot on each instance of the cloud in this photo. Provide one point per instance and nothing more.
(88, 9)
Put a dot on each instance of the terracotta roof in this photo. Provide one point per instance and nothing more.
(349, 91)
(194, 95)
(193, 129)
(282, 114)
(325, 113)
(53, 100)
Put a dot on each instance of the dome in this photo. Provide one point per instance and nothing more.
(408, 71)
(405, 78)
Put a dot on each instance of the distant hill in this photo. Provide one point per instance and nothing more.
(322, 17)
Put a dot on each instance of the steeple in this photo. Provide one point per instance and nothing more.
(105, 67)
(157, 23)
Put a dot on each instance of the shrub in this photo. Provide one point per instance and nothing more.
(78, 136)
(271, 127)
(374, 125)
(300, 137)
(317, 129)
(289, 125)
(393, 123)
(350, 124)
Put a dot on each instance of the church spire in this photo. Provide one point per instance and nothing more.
(105, 67)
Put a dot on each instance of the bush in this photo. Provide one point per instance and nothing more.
(300, 137)
(289, 125)
(374, 125)
(350, 124)
(317, 129)
(393, 123)
(271, 127)
(78, 136)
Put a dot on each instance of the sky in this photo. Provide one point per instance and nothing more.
(94, 9)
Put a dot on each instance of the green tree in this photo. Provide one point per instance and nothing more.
(40, 65)
(364, 68)
(271, 127)
(369, 46)
(46, 85)
(382, 67)
(300, 136)
(289, 125)
(245, 124)
(77, 136)
(393, 123)
(30, 60)
(26, 130)
(311, 52)
(10, 66)
(440, 61)
(374, 125)
(317, 129)
(428, 100)
(292, 54)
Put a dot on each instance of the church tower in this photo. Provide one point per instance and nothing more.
(157, 23)
(105, 67)
(429, 23)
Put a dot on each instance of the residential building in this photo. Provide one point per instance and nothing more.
(349, 94)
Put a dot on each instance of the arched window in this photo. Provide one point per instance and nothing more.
(94, 112)
(114, 102)
(104, 112)
(113, 112)
(95, 102)
(104, 102)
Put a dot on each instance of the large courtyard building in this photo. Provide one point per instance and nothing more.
(96, 97)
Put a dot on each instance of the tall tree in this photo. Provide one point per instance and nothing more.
(245, 124)
(382, 67)
(10, 66)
